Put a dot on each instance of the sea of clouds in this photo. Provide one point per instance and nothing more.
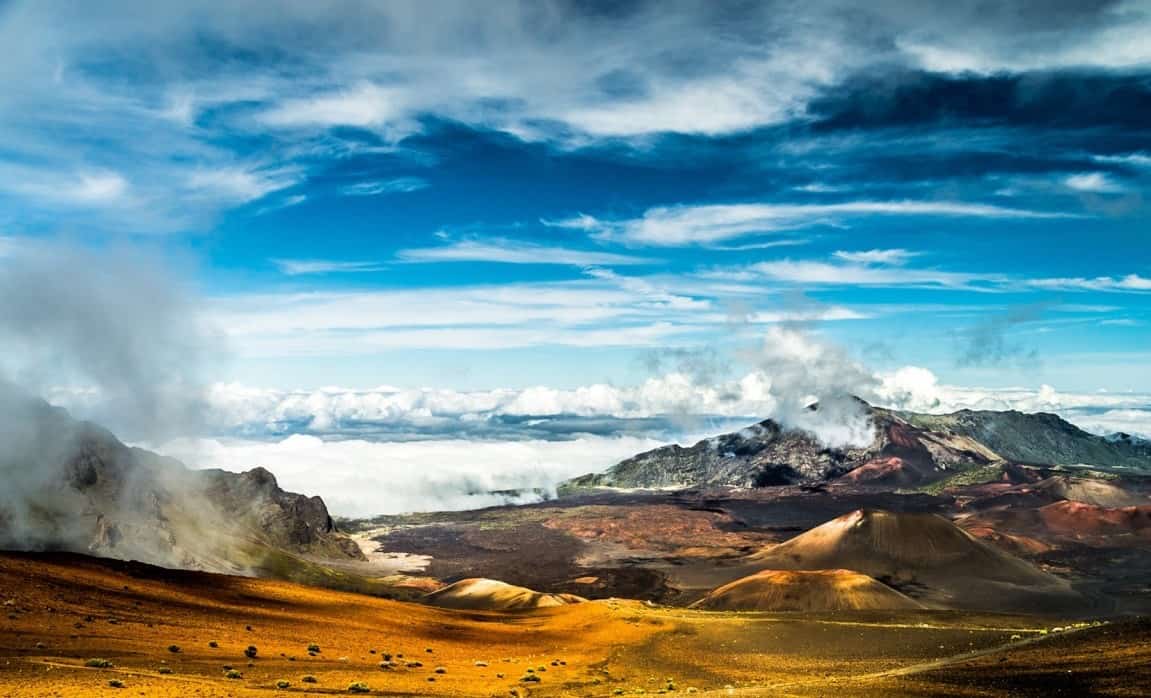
(389, 450)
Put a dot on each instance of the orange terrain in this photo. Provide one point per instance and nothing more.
(155, 632)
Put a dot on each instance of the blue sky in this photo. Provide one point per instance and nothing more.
(566, 193)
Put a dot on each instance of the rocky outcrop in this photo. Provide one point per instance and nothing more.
(72, 485)
(285, 519)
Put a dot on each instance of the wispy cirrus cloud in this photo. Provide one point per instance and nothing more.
(821, 273)
(398, 185)
(892, 257)
(504, 251)
(1128, 283)
(686, 225)
(298, 267)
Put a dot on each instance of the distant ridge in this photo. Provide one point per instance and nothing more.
(908, 450)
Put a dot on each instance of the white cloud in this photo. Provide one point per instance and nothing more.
(399, 185)
(967, 37)
(893, 257)
(1093, 182)
(365, 478)
(1129, 283)
(359, 477)
(239, 184)
(709, 224)
(364, 105)
(514, 252)
(90, 188)
(296, 267)
(821, 273)
(1133, 159)
(98, 187)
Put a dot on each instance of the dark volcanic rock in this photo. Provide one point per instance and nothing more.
(908, 449)
(766, 454)
(288, 520)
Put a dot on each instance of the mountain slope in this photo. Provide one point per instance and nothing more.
(926, 557)
(74, 486)
(907, 449)
(1037, 439)
(812, 591)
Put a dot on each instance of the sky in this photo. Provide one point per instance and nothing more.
(410, 212)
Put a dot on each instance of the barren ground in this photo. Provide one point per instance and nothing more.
(61, 610)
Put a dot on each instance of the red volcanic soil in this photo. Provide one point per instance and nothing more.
(1017, 543)
(1078, 519)
(880, 469)
(658, 527)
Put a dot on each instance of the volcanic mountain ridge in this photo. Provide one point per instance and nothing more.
(907, 449)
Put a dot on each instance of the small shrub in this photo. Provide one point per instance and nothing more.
(165, 670)
(98, 664)
(283, 684)
(116, 683)
(530, 678)
(440, 670)
(309, 679)
(386, 656)
(233, 674)
(313, 647)
(415, 665)
(359, 687)
(213, 644)
(174, 649)
(251, 652)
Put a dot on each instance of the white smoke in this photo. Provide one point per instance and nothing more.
(115, 323)
(804, 372)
